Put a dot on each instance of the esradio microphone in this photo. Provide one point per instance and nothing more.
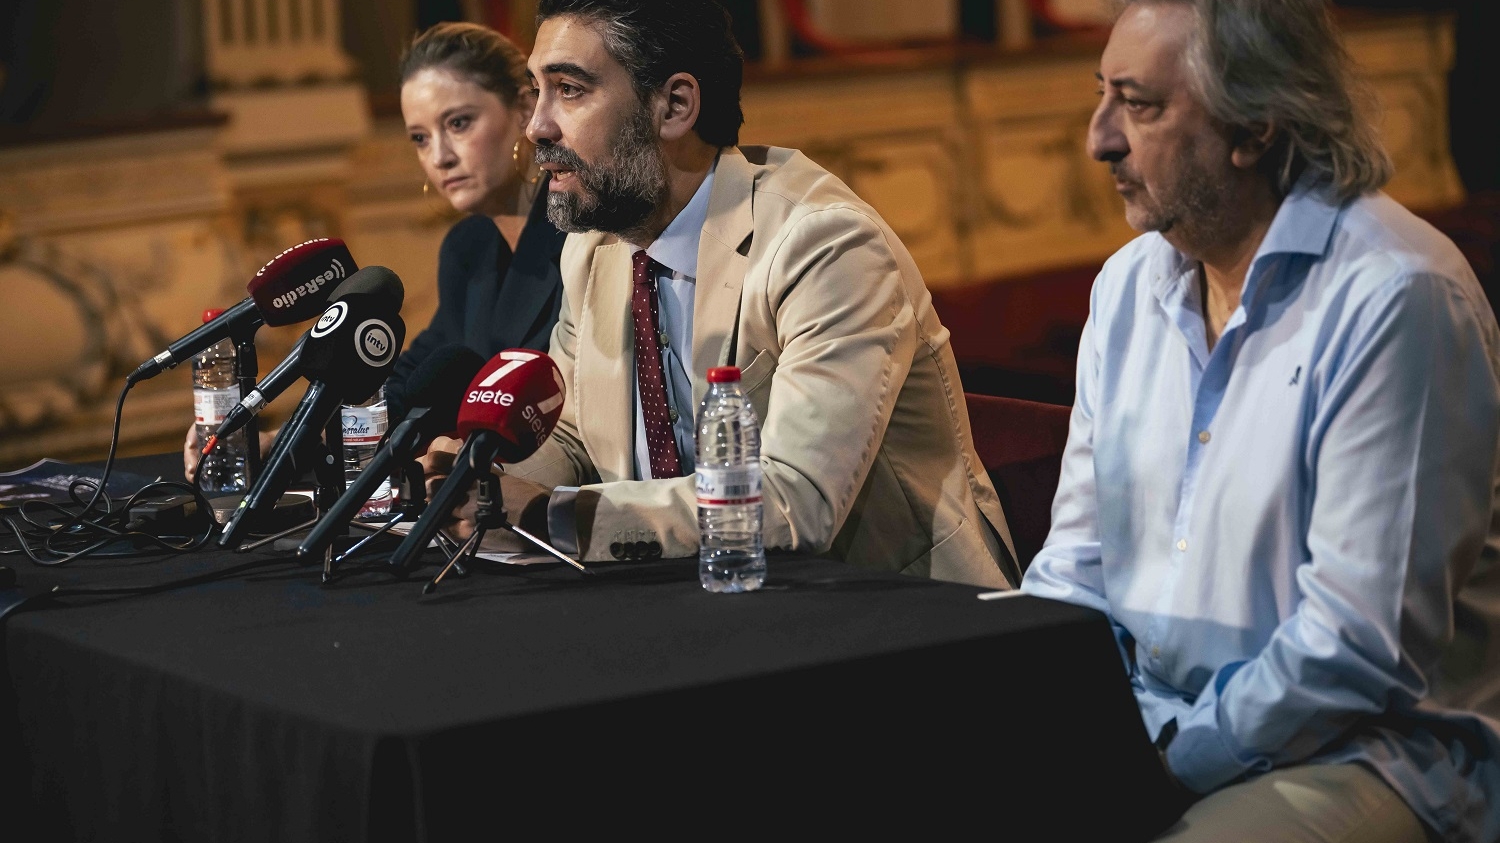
(507, 413)
(292, 287)
(346, 358)
(435, 388)
(371, 279)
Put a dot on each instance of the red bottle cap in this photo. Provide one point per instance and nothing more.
(723, 374)
(211, 314)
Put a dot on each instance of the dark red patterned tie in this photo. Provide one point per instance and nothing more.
(661, 445)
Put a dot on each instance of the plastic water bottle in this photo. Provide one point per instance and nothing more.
(364, 425)
(215, 392)
(731, 556)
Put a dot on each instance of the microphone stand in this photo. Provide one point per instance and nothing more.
(245, 366)
(490, 514)
(408, 487)
(328, 477)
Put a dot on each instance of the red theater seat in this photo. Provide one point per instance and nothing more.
(1018, 336)
(1021, 445)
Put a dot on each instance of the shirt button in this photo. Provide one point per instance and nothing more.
(1155, 652)
(664, 339)
(1182, 544)
(1204, 437)
(672, 414)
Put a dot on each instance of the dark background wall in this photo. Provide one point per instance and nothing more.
(68, 62)
(91, 61)
(1476, 68)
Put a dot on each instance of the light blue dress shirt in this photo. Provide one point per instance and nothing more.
(1277, 527)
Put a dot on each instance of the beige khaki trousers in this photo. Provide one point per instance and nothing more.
(1313, 803)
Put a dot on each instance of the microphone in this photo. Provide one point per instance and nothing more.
(508, 412)
(292, 287)
(371, 279)
(347, 356)
(436, 387)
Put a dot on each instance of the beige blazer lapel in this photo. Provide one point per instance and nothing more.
(606, 407)
(721, 266)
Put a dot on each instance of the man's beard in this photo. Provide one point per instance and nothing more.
(1195, 202)
(619, 196)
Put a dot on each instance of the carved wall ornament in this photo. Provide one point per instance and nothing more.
(94, 308)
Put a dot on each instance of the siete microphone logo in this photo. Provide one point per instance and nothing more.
(482, 394)
(374, 342)
(332, 317)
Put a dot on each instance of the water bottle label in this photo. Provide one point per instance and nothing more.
(364, 425)
(728, 486)
(210, 406)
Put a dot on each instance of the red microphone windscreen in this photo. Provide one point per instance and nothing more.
(519, 395)
(295, 285)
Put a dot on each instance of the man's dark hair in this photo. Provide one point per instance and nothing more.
(654, 39)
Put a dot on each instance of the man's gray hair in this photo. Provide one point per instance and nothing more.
(1281, 62)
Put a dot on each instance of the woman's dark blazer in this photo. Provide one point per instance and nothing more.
(489, 298)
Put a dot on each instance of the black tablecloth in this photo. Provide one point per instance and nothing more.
(271, 706)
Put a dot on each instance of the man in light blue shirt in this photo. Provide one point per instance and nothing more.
(1280, 469)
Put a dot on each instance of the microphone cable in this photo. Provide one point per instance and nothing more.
(205, 449)
(52, 534)
(102, 590)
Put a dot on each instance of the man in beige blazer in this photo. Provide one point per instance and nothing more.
(865, 443)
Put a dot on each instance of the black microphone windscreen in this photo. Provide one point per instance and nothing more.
(438, 383)
(372, 279)
(354, 345)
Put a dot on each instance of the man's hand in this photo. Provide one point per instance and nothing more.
(437, 463)
(525, 502)
(525, 506)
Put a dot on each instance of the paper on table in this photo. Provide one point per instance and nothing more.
(48, 479)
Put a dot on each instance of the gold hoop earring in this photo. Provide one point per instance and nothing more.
(515, 159)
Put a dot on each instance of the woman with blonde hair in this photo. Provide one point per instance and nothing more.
(465, 100)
